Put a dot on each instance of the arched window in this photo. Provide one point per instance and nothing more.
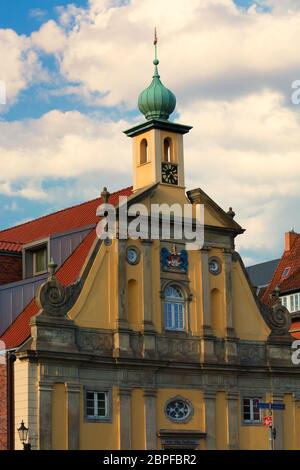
(167, 150)
(174, 308)
(144, 151)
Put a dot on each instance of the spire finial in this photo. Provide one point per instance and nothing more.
(156, 61)
(156, 101)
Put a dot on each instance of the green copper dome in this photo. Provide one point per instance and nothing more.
(156, 102)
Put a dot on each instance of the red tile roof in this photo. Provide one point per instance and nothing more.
(12, 247)
(74, 217)
(68, 273)
(290, 259)
(64, 220)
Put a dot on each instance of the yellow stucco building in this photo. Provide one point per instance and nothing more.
(157, 346)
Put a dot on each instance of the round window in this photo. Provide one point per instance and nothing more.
(214, 265)
(178, 409)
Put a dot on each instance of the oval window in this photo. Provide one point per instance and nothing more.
(178, 409)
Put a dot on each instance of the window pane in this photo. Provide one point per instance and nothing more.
(176, 316)
(251, 411)
(255, 404)
(246, 409)
(168, 315)
(40, 260)
(296, 302)
(292, 303)
(173, 292)
(181, 316)
(90, 411)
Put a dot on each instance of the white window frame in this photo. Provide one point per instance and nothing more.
(291, 302)
(95, 416)
(174, 303)
(28, 254)
(251, 405)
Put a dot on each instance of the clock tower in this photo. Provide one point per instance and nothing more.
(157, 142)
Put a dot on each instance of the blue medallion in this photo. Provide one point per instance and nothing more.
(173, 261)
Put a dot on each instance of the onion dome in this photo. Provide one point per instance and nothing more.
(156, 101)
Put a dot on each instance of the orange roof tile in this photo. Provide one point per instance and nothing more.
(12, 247)
(81, 215)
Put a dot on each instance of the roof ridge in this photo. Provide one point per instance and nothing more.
(57, 212)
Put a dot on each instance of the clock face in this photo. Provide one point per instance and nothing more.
(169, 173)
(214, 266)
(132, 255)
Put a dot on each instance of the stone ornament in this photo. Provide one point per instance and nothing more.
(173, 261)
(278, 318)
(55, 299)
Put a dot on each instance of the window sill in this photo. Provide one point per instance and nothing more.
(252, 423)
(98, 420)
(39, 273)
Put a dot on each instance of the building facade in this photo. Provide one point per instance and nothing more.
(141, 343)
(285, 282)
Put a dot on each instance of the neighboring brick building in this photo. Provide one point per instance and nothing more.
(285, 281)
(10, 262)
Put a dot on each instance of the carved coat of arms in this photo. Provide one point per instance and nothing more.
(174, 261)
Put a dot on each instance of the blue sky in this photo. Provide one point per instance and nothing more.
(74, 71)
(26, 16)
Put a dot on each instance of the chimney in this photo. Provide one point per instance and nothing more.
(289, 240)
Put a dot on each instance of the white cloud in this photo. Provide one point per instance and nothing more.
(108, 47)
(279, 6)
(60, 146)
(245, 154)
(50, 38)
(20, 64)
(37, 13)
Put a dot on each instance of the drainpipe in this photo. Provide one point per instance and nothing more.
(10, 359)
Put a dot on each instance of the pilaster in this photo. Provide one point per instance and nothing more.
(150, 419)
(73, 407)
(45, 416)
(210, 419)
(233, 420)
(125, 418)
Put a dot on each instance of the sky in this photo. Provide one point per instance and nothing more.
(73, 72)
